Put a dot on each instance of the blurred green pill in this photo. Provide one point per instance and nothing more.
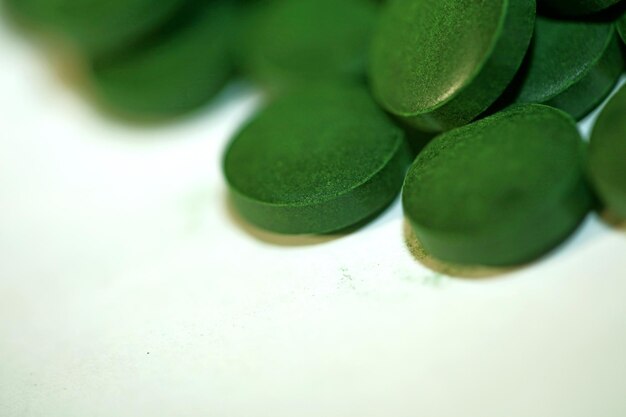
(621, 27)
(607, 154)
(573, 65)
(316, 160)
(289, 42)
(439, 64)
(174, 72)
(97, 26)
(501, 191)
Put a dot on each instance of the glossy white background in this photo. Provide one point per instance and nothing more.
(128, 288)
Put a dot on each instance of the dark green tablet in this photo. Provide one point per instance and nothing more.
(501, 191)
(289, 42)
(439, 64)
(173, 73)
(573, 65)
(607, 155)
(577, 7)
(316, 161)
(97, 25)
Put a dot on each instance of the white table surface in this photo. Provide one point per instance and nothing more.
(129, 289)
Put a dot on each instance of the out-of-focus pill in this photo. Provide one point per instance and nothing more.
(97, 26)
(607, 155)
(177, 71)
(290, 42)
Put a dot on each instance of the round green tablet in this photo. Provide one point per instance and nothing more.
(607, 154)
(501, 191)
(173, 73)
(577, 7)
(288, 42)
(573, 65)
(98, 25)
(439, 64)
(316, 161)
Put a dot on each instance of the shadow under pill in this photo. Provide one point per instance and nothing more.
(66, 63)
(448, 269)
(583, 234)
(612, 220)
(269, 237)
(377, 219)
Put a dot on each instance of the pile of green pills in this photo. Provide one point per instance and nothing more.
(467, 108)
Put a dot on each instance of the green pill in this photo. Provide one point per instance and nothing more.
(572, 66)
(439, 64)
(577, 7)
(501, 191)
(316, 161)
(607, 155)
(175, 72)
(97, 25)
(288, 42)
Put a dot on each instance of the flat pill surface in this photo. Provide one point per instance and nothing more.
(572, 65)
(501, 191)
(287, 41)
(577, 7)
(439, 64)
(98, 25)
(173, 73)
(607, 154)
(316, 161)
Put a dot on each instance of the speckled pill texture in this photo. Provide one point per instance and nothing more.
(440, 64)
